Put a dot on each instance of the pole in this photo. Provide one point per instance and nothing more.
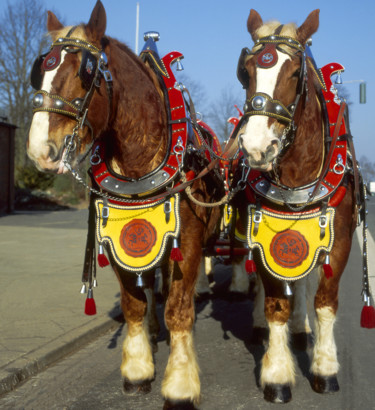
(137, 29)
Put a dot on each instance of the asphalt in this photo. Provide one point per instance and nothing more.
(41, 307)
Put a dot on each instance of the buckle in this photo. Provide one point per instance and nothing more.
(323, 221)
(257, 218)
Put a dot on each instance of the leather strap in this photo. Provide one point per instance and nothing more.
(331, 149)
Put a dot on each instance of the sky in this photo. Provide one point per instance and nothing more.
(211, 34)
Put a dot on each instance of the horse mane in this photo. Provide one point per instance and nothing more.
(289, 30)
(267, 29)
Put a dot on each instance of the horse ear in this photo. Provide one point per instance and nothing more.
(53, 24)
(253, 23)
(98, 21)
(309, 27)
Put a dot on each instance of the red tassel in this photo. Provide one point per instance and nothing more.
(250, 267)
(368, 317)
(176, 254)
(327, 268)
(90, 306)
(102, 259)
(250, 264)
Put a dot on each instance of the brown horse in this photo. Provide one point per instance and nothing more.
(93, 88)
(291, 136)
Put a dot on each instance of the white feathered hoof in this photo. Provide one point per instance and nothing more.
(325, 384)
(132, 389)
(277, 393)
(179, 405)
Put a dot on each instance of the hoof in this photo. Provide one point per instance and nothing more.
(179, 405)
(277, 393)
(302, 341)
(325, 384)
(259, 336)
(133, 389)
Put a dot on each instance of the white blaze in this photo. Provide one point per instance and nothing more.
(257, 135)
(38, 134)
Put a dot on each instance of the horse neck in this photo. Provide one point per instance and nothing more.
(138, 127)
(302, 162)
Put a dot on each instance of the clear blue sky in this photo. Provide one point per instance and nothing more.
(211, 34)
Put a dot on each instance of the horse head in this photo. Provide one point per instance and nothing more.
(274, 76)
(70, 82)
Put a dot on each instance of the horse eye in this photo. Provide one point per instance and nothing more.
(297, 73)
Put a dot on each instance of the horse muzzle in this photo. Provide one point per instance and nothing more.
(48, 158)
(260, 159)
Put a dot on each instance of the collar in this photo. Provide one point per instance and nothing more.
(167, 172)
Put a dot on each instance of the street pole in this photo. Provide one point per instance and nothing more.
(362, 89)
(137, 29)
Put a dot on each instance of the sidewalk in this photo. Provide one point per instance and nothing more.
(42, 310)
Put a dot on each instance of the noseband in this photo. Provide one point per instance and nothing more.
(261, 103)
(92, 69)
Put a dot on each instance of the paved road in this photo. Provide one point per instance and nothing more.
(42, 322)
(90, 378)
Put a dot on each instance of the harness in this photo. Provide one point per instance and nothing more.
(265, 52)
(292, 226)
(92, 70)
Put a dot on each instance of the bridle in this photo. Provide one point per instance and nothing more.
(92, 69)
(261, 103)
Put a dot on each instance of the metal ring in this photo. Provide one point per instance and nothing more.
(341, 171)
(70, 143)
(95, 159)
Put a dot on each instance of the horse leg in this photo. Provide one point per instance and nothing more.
(260, 327)
(205, 269)
(137, 367)
(325, 366)
(181, 379)
(277, 372)
(181, 384)
(299, 324)
(240, 278)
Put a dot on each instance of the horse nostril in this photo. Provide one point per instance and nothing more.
(275, 144)
(53, 153)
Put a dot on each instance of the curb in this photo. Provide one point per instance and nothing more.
(38, 360)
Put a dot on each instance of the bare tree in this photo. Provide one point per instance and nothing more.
(367, 168)
(196, 90)
(222, 110)
(21, 41)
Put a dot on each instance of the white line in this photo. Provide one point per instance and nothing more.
(371, 256)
